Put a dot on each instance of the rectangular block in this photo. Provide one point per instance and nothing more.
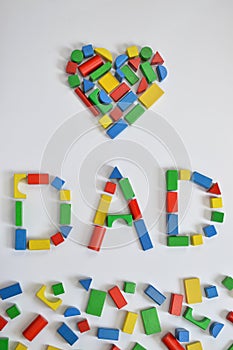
(135, 113)
(151, 321)
(148, 72)
(155, 295)
(65, 214)
(20, 239)
(151, 95)
(18, 213)
(96, 302)
(4, 343)
(35, 327)
(127, 101)
(116, 113)
(176, 304)
(193, 290)
(172, 180)
(67, 334)
(108, 333)
(130, 322)
(143, 234)
(117, 128)
(130, 76)
(126, 188)
(39, 244)
(98, 73)
(172, 224)
(134, 209)
(10, 291)
(201, 180)
(178, 241)
(108, 82)
(117, 297)
(38, 179)
(87, 102)
(119, 92)
(172, 202)
(102, 210)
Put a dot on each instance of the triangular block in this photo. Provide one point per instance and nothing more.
(161, 72)
(65, 230)
(87, 85)
(134, 63)
(142, 85)
(86, 282)
(115, 174)
(214, 189)
(157, 59)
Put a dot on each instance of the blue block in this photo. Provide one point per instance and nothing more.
(57, 183)
(182, 335)
(155, 295)
(161, 72)
(127, 101)
(211, 292)
(215, 329)
(115, 174)
(117, 128)
(20, 239)
(10, 291)
(143, 234)
(108, 333)
(65, 230)
(209, 231)
(120, 60)
(72, 311)
(88, 51)
(119, 75)
(172, 224)
(104, 98)
(67, 334)
(201, 180)
(87, 85)
(85, 283)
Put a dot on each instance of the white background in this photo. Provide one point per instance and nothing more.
(195, 38)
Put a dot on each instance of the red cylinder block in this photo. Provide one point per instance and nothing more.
(35, 327)
(89, 66)
(171, 343)
(97, 238)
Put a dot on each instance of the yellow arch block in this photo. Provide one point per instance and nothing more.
(104, 53)
(17, 179)
(130, 321)
(54, 305)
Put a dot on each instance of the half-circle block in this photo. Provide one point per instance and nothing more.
(215, 329)
(17, 179)
(203, 324)
(120, 60)
(128, 218)
(104, 98)
(72, 311)
(53, 304)
(104, 53)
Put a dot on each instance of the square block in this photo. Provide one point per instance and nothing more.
(209, 231)
(132, 51)
(216, 202)
(116, 113)
(105, 121)
(197, 239)
(13, 311)
(110, 187)
(217, 216)
(185, 174)
(182, 335)
(211, 292)
(88, 51)
(57, 238)
(4, 343)
(83, 326)
(58, 289)
(108, 82)
(20, 346)
(65, 195)
(130, 287)
(228, 282)
(194, 346)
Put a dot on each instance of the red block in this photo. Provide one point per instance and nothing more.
(57, 238)
(38, 179)
(83, 326)
(176, 304)
(119, 92)
(134, 63)
(87, 102)
(172, 202)
(71, 67)
(134, 209)
(157, 59)
(142, 85)
(117, 297)
(116, 113)
(171, 343)
(89, 66)
(114, 347)
(110, 187)
(214, 189)
(230, 316)
(3, 322)
(35, 327)
(97, 238)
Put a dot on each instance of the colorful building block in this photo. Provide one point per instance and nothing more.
(83, 326)
(104, 98)
(3, 323)
(117, 297)
(231, 347)
(65, 195)
(143, 234)
(85, 283)
(230, 316)
(129, 74)
(209, 231)
(105, 121)
(126, 217)
(38, 179)
(57, 238)
(217, 216)
(102, 210)
(119, 92)
(20, 239)
(98, 73)
(88, 51)
(58, 288)
(151, 95)
(108, 333)
(151, 321)
(227, 282)
(129, 287)
(13, 311)
(18, 213)
(172, 180)
(108, 82)
(87, 85)
(35, 327)
(148, 72)
(117, 128)
(215, 329)
(53, 304)
(176, 304)
(57, 183)
(214, 189)
(201, 180)
(4, 343)
(155, 295)
(65, 230)
(157, 59)
(146, 53)
(20, 346)
(10, 291)
(171, 342)
(193, 290)
(185, 175)
(110, 187)
(90, 65)
(65, 214)
(161, 72)
(106, 54)
(39, 244)
(127, 101)
(216, 202)
(119, 75)
(116, 113)
(67, 334)
(182, 335)
(76, 56)
(120, 60)
(172, 224)
(203, 324)
(196, 239)
(97, 238)
(138, 346)
(178, 241)
(172, 202)
(114, 347)
(126, 188)
(49, 347)
(87, 102)
(142, 86)
(96, 302)
(134, 63)
(130, 322)
(211, 292)
(194, 346)
(132, 51)
(94, 98)
(134, 114)
(72, 311)
(134, 209)
(71, 67)
(115, 174)
(17, 179)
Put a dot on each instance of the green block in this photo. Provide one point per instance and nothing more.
(217, 216)
(126, 188)
(73, 81)
(148, 72)
(96, 302)
(128, 218)
(178, 241)
(65, 214)
(172, 180)
(231, 347)
(130, 287)
(94, 98)
(228, 282)
(13, 312)
(100, 71)
(203, 324)
(4, 343)
(137, 346)
(58, 289)
(77, 56)
(18, 213)
(151, 321)
(146, 53)
(130, 76)
(134, 114)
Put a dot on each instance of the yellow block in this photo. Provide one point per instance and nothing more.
(99, 218)
(193, 290)
(197, 239)
(132, 51)
(151, 95)
(194, 346)
(102, 209)
(130, 321)
(185, 174)
(108, 82)
(39, 244)
(17, 179)
(104, 53)
(216, 202)
(49, 347)
(20, 346)
(105, 121)
(53, 304)
(65, 195)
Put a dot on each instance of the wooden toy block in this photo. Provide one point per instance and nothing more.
(211, 292)
(126, 188)
(117, 297)
(87, 102)
(214, 189)
(130, 287)
(4, 343)
(65, 214)
(155, 295)
(227, 282)
(126, 217)
(100, 218)
(13, 311)
(172, 202)
(172, 180)
(176, 304)
(161, 72)
(104, 53)
(134, 63)
(216, 202)
(142, 86)
(35, 327)
(148, 72)
(178, 241)
(110, 187)
(105, 121)
(3, 323)
(115, 174)
(117, 128)
(108, 333)
(52, 348)
(119, 92)
(10, 291)
(196, 239)
(39, 244)
(135, 113)
(132, 51)
(57, 238)
(129, 74)
(230, 316)
(76, 56)
(85, 283)
(114, 347)
(72, 311)
(215, 329)
(103, 207)
(58, 289)
(185, 175)
(67, 334)
(38, 179)
(217, 216)
(157, 59)
(182, 335)
(87, 85)
(94, 98)
(18, 213)
(194, 346)
(193, 290)
(71, 67)
(96, 302)
(17, 178)
(151, 95)
(119, 75)
(97, 238)
(120, 60)
(127, 101)
(65, 230)
(203, 323)
(146, 53)
(65, 195)
(98, 73)
(231, 347)
(130, 322)
(88, 51)
(143, 234)
(20, 346)
(108, 82)
(53, 304)
(134, 209)
(74, 81)
(90, 66)
(116, 113)
(151, 321)
(83, 326)
(104, 98)
(209, 231)
(171, 342)
(57, 183)
(20, 239)
(201, 180)
(172, 224)
(138, 346)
